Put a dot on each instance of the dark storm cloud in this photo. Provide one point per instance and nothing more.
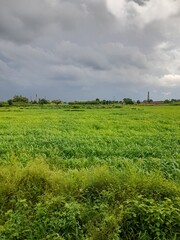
(24, 21)
(97, 48)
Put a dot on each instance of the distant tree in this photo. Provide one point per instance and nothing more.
(138, 102)
(34, 102)
(166, 101)
(19, 98)
(56, 101)
(43, 101)
(128, 101)
(1, 104)
(10, 102)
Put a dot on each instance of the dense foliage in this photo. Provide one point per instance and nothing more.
(81, 173)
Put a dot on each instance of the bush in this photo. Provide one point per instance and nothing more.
(98, 202)
(147, 219)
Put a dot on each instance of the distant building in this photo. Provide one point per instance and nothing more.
(157, 102)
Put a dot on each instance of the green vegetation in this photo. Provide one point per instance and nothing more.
(84, 173)
(128, 101)
(21, 101)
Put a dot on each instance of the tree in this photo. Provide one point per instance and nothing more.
(166, 101)
(43, 101)
(10, 102)
(3, 104)
(56, 101)
(21, 99)
(128, 101)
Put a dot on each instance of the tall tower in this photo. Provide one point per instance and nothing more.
(148, 99)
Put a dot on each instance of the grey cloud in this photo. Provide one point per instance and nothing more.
(21, 21)
(25, 21)
(81, 48)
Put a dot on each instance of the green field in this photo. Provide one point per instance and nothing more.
(92, 174)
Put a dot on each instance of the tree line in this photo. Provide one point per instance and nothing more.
(22, 100)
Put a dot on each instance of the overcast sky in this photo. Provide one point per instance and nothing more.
(87, 49)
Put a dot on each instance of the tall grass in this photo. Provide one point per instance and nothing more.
(96, 203)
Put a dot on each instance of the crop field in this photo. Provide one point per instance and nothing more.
(90, 174)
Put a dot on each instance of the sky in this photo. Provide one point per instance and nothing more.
(86, 49)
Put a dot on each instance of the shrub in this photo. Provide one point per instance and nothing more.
(154, 220)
